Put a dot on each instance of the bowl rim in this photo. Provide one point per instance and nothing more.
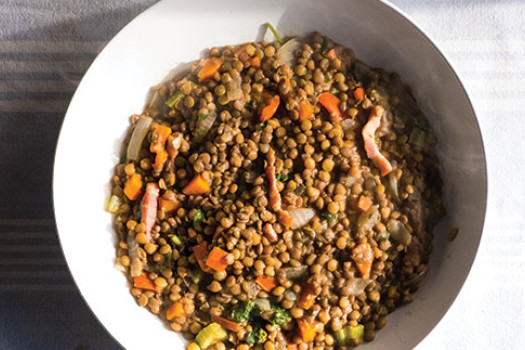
(401, 14)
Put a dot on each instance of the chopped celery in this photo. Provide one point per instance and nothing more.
(393, 184)
(176, 240)
(341, 337)
(198, 218)
(357, 332)
(210, 335)
(345, 334)
(417, 137)
(274, 32)
(173, 101)
(113, 204)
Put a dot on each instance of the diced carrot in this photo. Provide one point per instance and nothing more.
(211, 66)
(363, 256)
(169, 205)
(160, 159)
(359, 93)
(133, 186)
(217, 259)
(266, 283)
(225, 323)
(331, 54)
(331, 103)
(307, 297)
(284, 218)
(306, 110)
(198, 185)
(255, 62)
(270, 108)
(175, 310)
(308, 330)
(144, 282)
(201, 254)
(149, 207)
(159, 137)
(364, 203)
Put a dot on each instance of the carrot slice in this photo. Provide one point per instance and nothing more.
(266, 283)
(331, 103)
(255, 62)
(160, 159)
(169, 205)
(363, 257)
(364, 203)
(217, 259)
(211, 65)
(225, 323)
(159, 137)
(331, 54)
(359, 93)
(306, 110)
(308, 330)
(144, 282)
(175, 310)
(133, 186)
(198, 185)
(201, 253)
(270, 108)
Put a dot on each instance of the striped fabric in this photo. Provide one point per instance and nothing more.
(47, 45)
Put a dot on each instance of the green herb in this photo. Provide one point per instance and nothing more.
(384, 236)
(173, 101)
(274, 32)
(280, 316)
(247, 310)
(257, 336)
(329, 217)
(198, 218)
(281, 177)
(264, 124)
(197, 275)
(203, 116)
(252, 104)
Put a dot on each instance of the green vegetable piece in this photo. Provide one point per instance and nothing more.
(198, 218)
(246, 311)
(203, 116)
(393, 185)
(357, 333)
(210, 335)
(329, 217)
(274, 32)
(257, 336)
(113, 204)
(417, 137)
(280, 316)
(173, 101)
(341, 337)
(281, 177)
(197, 275)
(384, 236)
(176, 241)
(264, 124)
(344, 335)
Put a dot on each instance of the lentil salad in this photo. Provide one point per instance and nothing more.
(277, 195)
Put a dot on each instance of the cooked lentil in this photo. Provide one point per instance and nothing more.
(243, 201)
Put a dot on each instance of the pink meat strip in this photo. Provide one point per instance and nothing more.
(149, 207)
(372, 151)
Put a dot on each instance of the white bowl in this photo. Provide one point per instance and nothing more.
(174, 32)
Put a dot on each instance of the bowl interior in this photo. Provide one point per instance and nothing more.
(174, 32)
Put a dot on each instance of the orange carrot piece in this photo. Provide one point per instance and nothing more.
(364, 203)
(175, 310)
(160, 159)
(133, 186)
(363, 256)
(159, 137)
(308, 330)
(331, 54)
(201, 253)
(306, 110)
(273, 192)
(307, 297)
(198, 185)
(169, 205)
(211, 66)
(331, 103)
(255, 62)
(217, 259)
(225, 323)
(266, 283)
(270, 108)
(291, 346)
(359, 93)
(144, 282)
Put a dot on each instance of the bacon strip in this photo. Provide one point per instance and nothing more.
(372, 151)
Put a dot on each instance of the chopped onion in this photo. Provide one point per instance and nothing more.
(138, 136)
(300, 217)
(357, 285)
(348, 124)
(263, 304)
(392, 183)
(399, 233)
(347, 181)
(236, 92)
(295, 272)
(367, 220)
(286, 53)
(204, 125)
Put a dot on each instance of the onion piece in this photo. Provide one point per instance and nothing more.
(236, 92)
(138, 136)
(295, 272)
(300, 217)
(367, 220)
(263, 304)
(203, 126)
(348, 124)
(398, 232)
(356, 285)
(286, 53)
